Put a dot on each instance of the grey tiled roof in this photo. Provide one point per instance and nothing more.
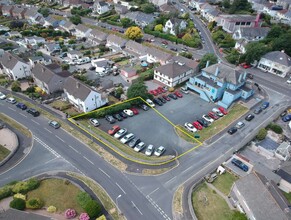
(99, 35)
(9, 60)
(136, 47)
(82, 28)
(76, 88)
(238, 17)
(116, 39)
(21, 215)
(252, 32)
(278, 57)
(172, 70)
(159, 54)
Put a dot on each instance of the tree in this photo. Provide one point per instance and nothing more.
(133, 33)
(76, 19)
(16, 24)
(186, 54)
(38, 53)
(126, 22)
(281, 45)
(138, 89)
(262, 134)
(238, 216)
(254, 51)
(187, 37)
(226, 4)
(15, 87)
(159, 27)
(65, 66)
(148, 8)
(93, 209)
(275, 32)
(44, 11)
(233, 57)
(17, 204)
(207, 57)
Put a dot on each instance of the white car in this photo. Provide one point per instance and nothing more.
(2, 96)
(94, 122)
(11, 100)
(159, 151)
(128, 112)
(120, 133)
(218, 112)
(240, 125)
(150, 149)
(190, 127)
(207, 118)
(139, 147)
(127, 138)
(184, 90)
(289, 81)
(150, 102)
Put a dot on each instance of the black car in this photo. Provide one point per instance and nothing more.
(110, 119)
(144, 107)
(232, 130)
(174, 49)
(203, 122)
(33, 112)
(283, 113)
(158, 102)
(173, 96)
(92, 68)
(249, 117)
(122, 114)
(117, 117)
(162, 99)
(134, 142)
(258, 111)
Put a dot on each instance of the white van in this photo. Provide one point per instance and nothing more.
(83, 60)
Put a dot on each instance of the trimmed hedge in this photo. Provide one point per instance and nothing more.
(276, 128)
(17, 203)
(83, 198)
(5, 192)
(34, 203)
(88, 204)
(25, 186)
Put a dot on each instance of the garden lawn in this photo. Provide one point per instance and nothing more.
(208, 205)
(61, 105)
(287, 196)
(57, 193)
(224, 182)
(4, 152)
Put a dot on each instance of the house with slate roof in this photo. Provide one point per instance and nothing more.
(68, 26)
(97, 37)
(209, 12)
(82, 31)
(174, 24)
(32, 16)
(276, 62)
(222, 83)
(18, 12)
(115, 43)
(101, 7)
(251, 33)
(155, 55)
(135, 49)
(7, 10)
(82, 96)
(140, 18)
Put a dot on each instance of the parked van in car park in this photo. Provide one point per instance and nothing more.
(83, 60)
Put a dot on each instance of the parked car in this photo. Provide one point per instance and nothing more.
(286, 118)
(118, 117)
(128, 112)
(11, 100)
(249, 117)
(240, 164)
(173, 49)
(184, 90)
(258, 111)
(94, 122)
(289, 81)
(161, 90)
(2, 96)
(165, 42)
(159, 151)
(178, 94)
(217, 112)
(158, 102)
(153, 92)
(166, 97)
(149, 150)
(123, 115)
(144, 107)
(33, 112)
(21, 106)
(232, 130)
(150, 102)
(110, 119)
(134, 142)
(190, 127)
(172, 96)
(54, 124)
(250, 76)
(162, 99)
(127, 138)
(223, 110)
(92, 68)
(134, 111)
(245, 65)
(113, 130)
(265, 105)
(139, 147)
(203, 122)
(120, 133)
(197, 125)
(240, 124)
(213, 115)
(207, 118)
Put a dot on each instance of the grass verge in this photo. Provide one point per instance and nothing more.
(185, 134)
(106, 201)
(156, 171)
(57, 192)
(15, 125)
(4, 152)
(177, 200)
(224, 182)
(287, 196)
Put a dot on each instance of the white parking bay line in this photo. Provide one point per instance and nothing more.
(104, 172)
(136, 207)
(12, 109)
(34, 121)
(88, 160)
(120, 188)
(23, 115)
(47, 130)
(60, 138)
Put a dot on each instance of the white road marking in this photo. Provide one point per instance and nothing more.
(47, 147)
(60, 138)
(187, 169)
(47, 130)
(136, 207)
(23, 115)
(120, 188)
(35, 121)
(153, 191)
(12, 109)
(170, 180)
(50, 160)
(73, 149)
(104, 172)
(88, 160)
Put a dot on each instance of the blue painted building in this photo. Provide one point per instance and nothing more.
(221, 83)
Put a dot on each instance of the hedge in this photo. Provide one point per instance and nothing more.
(83, 198)
(93, 208)
(25, 186)
(5, 192)
(17, 204)
(276, 128)
(262, 134)
(34, 203)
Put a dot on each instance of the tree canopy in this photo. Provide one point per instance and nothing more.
(44, 11)
(148, 8)
(207, 57)
(133, 33)
(159, 27)
(254, 51)
(76, 19)
(138, 89)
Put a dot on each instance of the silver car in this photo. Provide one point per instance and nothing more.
(120, 133)
(127, 138)
(94, 122)
(150, 149)
(139, 147)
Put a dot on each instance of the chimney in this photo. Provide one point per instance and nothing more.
(207, 63)
(9, 57)
(78, 85)
(216, 71)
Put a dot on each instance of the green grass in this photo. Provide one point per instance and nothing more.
(57, 193)
(208, 205)
(15, 125)
(4, 152)
(185, 134)
(224, 182)
(61, 105)
(287, 196)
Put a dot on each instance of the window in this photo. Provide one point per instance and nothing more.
(243, 23)
(248, 23)
(237, 23)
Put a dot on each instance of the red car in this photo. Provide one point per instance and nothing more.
(197, 125)
(178, 94)
(166, 97)
(223, 110)
(161, 89)
(165, 42)
(245, 65)
(213, 115)
(113, 130)
(134, 110)
(153, 92)
(158, 91)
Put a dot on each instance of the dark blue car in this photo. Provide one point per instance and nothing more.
(21, 106)
(265, 105)
(286, 118)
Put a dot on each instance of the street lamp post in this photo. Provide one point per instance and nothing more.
(118, 210)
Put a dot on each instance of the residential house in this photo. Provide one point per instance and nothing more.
(155, 55)
(101, 7)
(197, 4)
(285, 173)
(7, 10)
(286, 4)
(51, 21)
(260, 198)
(82, 96)
(97, 37)
(258, 5)
(172, 74)
(45, 60)
(222, 83)
(14, 34)
(175, 25)
(251, 33)
(32, 16)
(135, 49)
(115, 43)
(72, 3)
(284, 15)
(82, 31)
(34, 40)
(18, 12)
(140, 18)
(121, 9)
(67, 26)
(159, 2)
(4, 28)
(240, 45)
(14, 66)
(188, 62)
(276, 62)
(209, 12)
(102, 65)
(168, 8)
(74, 54)
(231, 23)
(50, 78)
(51, 47)
(128, 72)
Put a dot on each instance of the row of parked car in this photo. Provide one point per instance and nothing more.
(134, 142)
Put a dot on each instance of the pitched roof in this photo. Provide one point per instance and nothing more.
(9, 60)
(278, 57)
(140, 16)
(234, 18)
(77, 89)
(116, 39)
(159, 54)
(136, 47)
(82, 28)
(68, 25)
(173, 70)
(77, 52)
(7, 7)
(20, 215)
(176, 21)
(102, 3)
(188, 62)
(98, 34)
(30, 12)
(18, 10)
(253, 32)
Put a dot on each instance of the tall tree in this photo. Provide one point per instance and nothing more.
(207, 57)
(138, 89)
(133, 33)
(254, 51)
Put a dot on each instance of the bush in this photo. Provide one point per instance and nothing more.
(70, 213)
(262, 134)
(51, 209)
(84, 216)
(93, 209)
(15, 87)
(25, 186)
(102, 217)
(34, 203)
(19, 196)
(30, 89)
(276, 128)
(83, 198)
(17, 204)
(5, 192)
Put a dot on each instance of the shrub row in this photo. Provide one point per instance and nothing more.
(276, 128)
(88, 204)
